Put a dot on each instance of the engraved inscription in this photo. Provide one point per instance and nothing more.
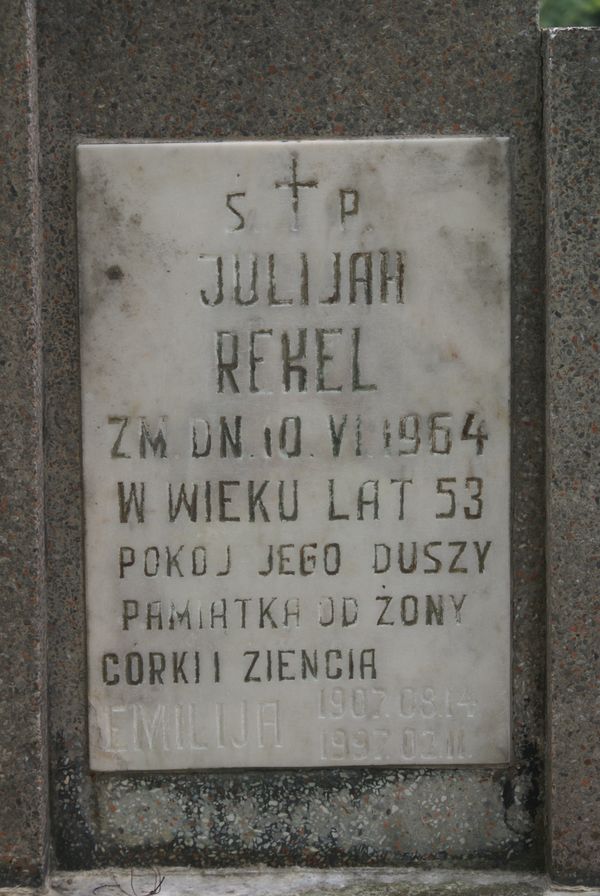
(296, 442)
(295, 185)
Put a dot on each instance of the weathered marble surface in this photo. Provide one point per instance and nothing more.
(343, 308)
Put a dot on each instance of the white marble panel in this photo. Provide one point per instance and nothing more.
(295, 390)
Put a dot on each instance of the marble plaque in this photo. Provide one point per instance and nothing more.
(295, 390)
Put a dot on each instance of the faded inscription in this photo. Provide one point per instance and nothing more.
(295, 387)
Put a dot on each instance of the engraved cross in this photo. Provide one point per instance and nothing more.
(295, 185)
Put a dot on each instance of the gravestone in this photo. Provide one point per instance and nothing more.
(274, 474)
(295, 448)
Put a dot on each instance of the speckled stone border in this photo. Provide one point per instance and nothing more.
(23, 757)
(572, 130)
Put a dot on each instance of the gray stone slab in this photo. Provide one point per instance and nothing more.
(23, 761)
(277, 70)
(572, 78)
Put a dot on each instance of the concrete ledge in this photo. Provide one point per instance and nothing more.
(296, 882)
